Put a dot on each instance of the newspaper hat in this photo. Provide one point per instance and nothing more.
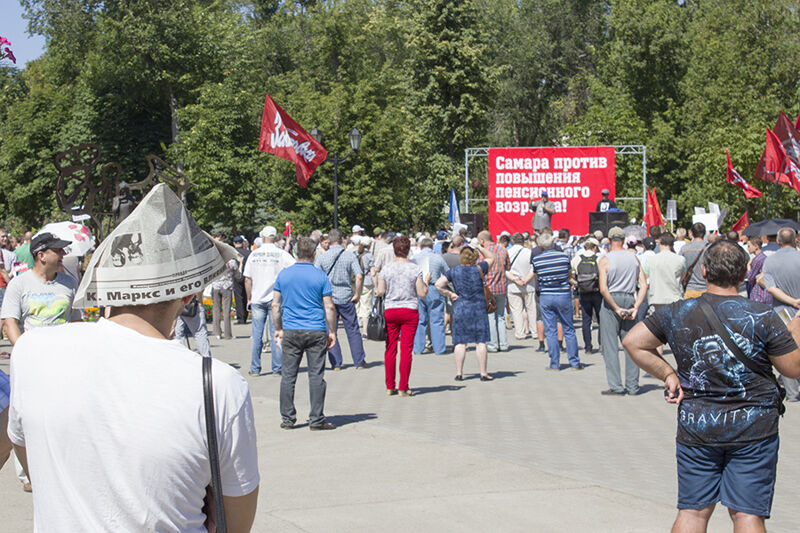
(157, 254)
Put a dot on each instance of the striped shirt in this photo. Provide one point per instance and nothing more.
(552, 271)
(496, 278)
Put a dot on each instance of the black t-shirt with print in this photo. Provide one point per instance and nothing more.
(724, 401)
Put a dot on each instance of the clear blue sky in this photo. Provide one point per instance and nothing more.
(13, 27)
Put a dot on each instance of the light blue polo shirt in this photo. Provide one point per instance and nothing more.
(302, 287)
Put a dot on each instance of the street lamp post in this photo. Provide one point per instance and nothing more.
(355, 144)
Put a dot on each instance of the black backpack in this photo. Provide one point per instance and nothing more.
(588, 275)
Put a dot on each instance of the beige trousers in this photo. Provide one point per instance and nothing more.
(519, 302)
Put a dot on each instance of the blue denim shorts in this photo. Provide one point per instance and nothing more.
(742, 478)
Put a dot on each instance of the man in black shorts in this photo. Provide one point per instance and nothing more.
(728, 400)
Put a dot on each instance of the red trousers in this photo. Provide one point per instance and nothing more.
(400, 323)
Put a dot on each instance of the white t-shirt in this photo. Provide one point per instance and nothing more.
(263, 267)
(114, 429)
(521, 268)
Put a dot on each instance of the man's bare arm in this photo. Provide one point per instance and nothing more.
(330, 318)
(357, 288)
(602, 271)
(642, 294)
(12, 329)
(277, 309)
(789, 364)
(783, 298)
(240, 511)
(248, 288)
(642, 346)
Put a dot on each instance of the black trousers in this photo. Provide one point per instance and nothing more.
(240, 295)
(590, 307)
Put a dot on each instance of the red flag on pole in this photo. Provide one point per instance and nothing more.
(789, 138)
(734, 178)
(776, 163)
(742, 223)
(283, 137)
(652, 216)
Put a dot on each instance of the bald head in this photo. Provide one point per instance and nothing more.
(786, 237)
(485, 236)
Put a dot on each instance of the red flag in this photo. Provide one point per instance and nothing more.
(734, 178)
(282, 136)
(776, 163)
(652, 216)
(789, 138)
(742, 223)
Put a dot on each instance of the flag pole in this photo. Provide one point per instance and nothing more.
(775, 188)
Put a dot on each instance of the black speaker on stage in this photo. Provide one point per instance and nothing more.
(607, 220)
(474, 222)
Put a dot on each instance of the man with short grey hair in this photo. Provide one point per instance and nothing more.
(781, 277)
(620, 273)
(341, 266)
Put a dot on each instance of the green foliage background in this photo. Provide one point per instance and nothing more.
(422, 79)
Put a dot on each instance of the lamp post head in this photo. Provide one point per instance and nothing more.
(355, 139)
(316, 134)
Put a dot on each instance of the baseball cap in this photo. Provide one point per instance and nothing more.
(441, 234)
(269, 231)
(631, 239)
(649, 243)
(616, 233)
(239, 239)
(357, 228)
(377, 231)
(544, 193)
(47, 241)
(604, 192)
(593, 241)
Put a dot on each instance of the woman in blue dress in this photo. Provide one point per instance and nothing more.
(470, 321)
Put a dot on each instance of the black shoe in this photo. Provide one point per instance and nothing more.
(254, 373)
(487, 377)
(459, 378)
(612, 392)
(322, 427)
(541, 348)
(580, 366)
(287, 425)
(363, 366)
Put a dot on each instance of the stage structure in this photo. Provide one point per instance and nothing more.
(572, 175)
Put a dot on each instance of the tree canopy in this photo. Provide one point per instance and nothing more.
(423, 80)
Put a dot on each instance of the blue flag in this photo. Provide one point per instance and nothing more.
(453, 216)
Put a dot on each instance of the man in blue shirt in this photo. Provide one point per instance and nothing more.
(305, 321)
(431, 308)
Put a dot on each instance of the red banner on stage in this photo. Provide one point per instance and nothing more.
(573, 178)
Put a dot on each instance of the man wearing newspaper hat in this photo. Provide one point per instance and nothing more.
(119, 411)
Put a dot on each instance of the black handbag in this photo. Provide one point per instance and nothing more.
(190, 309)
(376, 324)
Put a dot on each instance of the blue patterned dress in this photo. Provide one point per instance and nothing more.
(470, 321)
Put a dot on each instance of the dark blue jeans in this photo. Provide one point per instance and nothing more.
(555, 308)
(347, 312)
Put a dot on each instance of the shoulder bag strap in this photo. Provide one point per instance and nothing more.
(515, 258)
(716, 325)
(328, 272)
(694, 263)
(213, 451)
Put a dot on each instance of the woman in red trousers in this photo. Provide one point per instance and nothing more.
(400, 282)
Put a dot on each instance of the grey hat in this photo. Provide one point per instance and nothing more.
(616, 234)
(604, 192)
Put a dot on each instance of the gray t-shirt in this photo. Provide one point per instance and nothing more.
(541, 218)
(689, 252)
(780, 270)
(35, 302)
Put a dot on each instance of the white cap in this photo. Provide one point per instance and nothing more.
(505, 233)
(269, 231)
(366, 241)
(157, 254)
(357, 228)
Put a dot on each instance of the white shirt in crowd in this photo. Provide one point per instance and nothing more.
(521, 257)
(263, 267)
(114, 429)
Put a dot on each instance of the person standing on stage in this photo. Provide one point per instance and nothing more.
(542, 209)
(605, 204)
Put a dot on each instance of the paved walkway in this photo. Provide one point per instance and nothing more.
(531, 451)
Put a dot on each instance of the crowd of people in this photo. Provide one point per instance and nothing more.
(642, 288)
